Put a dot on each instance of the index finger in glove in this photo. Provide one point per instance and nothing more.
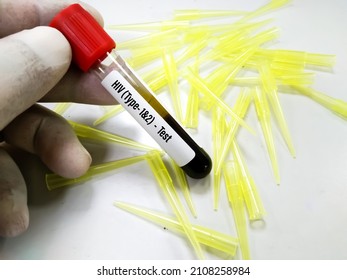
(32, 62)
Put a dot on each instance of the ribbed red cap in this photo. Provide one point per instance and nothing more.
(89, 41)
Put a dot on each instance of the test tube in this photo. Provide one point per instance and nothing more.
(94, 50)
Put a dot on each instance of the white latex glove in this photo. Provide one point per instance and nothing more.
(35, 66)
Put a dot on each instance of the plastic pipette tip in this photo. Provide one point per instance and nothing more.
(61, 108)
(219, 32)
(270, 87)
(203, 88)
(206, 236)
(192, 112)
(235, 196)
(320, 60)
(251, 196)
(170, 69)
(183, 183)
(284, 73)
(200, 14)
(54, 181)
(217, 179)
(241, 40)
(165, 182)
(272, 5)
(96, 134)
(157, 38)
(335, 105)
(144, 56)
(302, 58)
(151, 26)
(155, 78)
(109, 114)
(304, 79)
(218, 130)
(263, 113)
(229, 71)
(241, 106)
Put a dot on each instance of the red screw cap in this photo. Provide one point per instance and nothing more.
(89, 41)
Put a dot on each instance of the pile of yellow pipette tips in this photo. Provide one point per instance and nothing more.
(183, 46)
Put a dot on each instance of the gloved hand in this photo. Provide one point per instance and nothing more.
(35, 66)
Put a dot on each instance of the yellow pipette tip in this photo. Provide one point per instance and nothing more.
(272, 5)
(304, 79)
(200, 14)
(154, 39)
(201, 86)
(206, 236)
(151, 26)
(155, 78)
(54, 181)
(321, 60)
(335, 105)
(147, 55)
(170, 69)
(218, 136)
(216, 190)
(109, 114)
(251, 196)
(241, 106)
(61, 108)
(263, 113)
(192, 109)
(165, 182)
(85, 131)
(235, 196)
(270, 87)
(183, 183)
(192, 113)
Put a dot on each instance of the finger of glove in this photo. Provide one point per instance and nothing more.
(32, 63)
(39, 130)
(14, 214)
(18, 15)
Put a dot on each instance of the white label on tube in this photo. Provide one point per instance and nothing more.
(148, 118)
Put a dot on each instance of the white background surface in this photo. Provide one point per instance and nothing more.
(306, 214)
